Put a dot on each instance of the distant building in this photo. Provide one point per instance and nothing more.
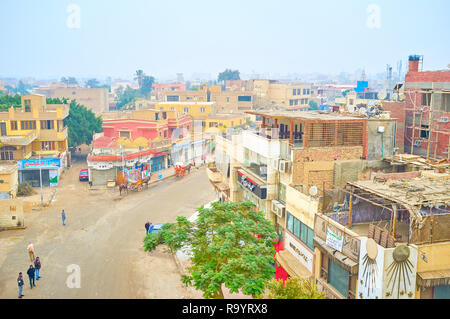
(93, 99)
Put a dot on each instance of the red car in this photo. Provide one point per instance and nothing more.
(84, 174)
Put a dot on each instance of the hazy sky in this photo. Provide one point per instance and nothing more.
(44, 39)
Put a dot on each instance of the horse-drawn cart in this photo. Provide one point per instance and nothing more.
(135, 185)
(181, 169)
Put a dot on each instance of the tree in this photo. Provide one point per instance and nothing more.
(294, 288)
(147, 83)
(126, 96)
(72, 80)
(313, 105)
(82, 124)
(228, 74)
(139, 76)
(57, 100)
(7, 101)
(231, 244)
(92, 83)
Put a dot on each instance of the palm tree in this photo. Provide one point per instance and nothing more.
(139, 77)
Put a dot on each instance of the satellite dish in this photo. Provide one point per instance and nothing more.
(362, 110)
(313, 191)
(351, 109)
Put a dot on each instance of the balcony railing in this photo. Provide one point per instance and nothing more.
(19, 139)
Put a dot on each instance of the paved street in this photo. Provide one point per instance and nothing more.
(103, 236)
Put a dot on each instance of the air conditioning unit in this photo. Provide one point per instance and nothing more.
(278, 208)
(284, 166)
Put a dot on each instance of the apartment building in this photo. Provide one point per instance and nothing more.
(287, 96)
(35, 136)
(385, 238)
(427, 111)
(198, 110)
(93, 99)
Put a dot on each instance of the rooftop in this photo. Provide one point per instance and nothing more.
(306, 115)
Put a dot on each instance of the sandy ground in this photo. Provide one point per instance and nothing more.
(103, 236)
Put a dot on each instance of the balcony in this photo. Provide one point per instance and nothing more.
(19, 139)
(53, 135)
(261, 144)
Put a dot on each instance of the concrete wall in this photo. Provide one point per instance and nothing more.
(11, 213)
(380, 145)
(93, 99)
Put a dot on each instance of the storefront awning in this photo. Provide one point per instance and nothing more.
(337, 256)
(292, 265)
(433, 278)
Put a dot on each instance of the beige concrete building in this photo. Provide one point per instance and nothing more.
(93, 99)
(8, 180)
(11, 214)
(295, 96)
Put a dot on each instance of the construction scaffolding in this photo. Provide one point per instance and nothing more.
(427, 115)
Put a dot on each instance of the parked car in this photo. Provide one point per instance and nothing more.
(84, 175)
(156, 228)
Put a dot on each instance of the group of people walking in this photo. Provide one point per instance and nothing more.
(35, 267)
(32, 272)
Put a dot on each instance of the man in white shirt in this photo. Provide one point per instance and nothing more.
(30, 249)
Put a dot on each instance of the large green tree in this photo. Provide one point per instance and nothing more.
(313, 105)
(82, 124)
(147, 83)
(7, 101)
(139, 77)
(228, 74)
(231, 245)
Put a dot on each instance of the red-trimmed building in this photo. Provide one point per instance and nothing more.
(427, 111)
(139, 143)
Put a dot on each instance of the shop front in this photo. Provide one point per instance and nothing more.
(30, 170)
(252, 190)
(159, 161)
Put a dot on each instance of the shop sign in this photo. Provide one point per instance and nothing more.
(350, 245)
(334, 240)
(258, 190)
(300, 252)
(102, 166)
(39, 163)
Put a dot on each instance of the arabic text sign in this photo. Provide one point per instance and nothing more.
(39, 163)
(333, 240)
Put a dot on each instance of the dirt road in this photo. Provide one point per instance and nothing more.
(103, 237)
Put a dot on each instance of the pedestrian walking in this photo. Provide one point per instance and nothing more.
(37, 267)
(20, 283)
(30, 249)
(31, 274)
(63, 216)
(147, 226)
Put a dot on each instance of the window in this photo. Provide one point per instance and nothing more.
(172, 108)
(304, 91)
(299, 229)
(282, 193)
(156, 116)
(424, 131)
(338, 277)
(47, 146)
(244, 98)
(290, 223)
(125, 134)
(296, 228)
(173, 98)
(47, 125)
(426, 99)
(202, 110)
(28, 125)
(291, 102)
(445, 105)
(307, 91)
(299, 91)
(13, 125)
(7, 153)
(442, 292)
(294, 91)
(228, 99)
(164, 114)
(186, 110)
(27, 105)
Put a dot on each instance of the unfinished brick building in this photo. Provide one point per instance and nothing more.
(427, 110)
